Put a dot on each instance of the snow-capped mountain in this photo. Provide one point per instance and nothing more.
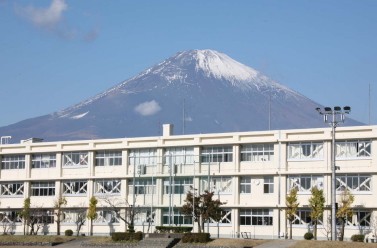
(198, 91)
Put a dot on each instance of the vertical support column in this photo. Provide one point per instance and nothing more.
(237, 158)
(28, 165)
(59, 164)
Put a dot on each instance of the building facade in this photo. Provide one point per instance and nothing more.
(251, 172)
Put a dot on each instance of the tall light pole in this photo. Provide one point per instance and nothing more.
(333, 117)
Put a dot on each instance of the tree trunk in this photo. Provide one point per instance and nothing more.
(290, 229)
(342, 229)
(58, 227)
(199, 227)
(315, 230)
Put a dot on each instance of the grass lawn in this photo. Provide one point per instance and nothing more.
(35, 238)
(331, 244)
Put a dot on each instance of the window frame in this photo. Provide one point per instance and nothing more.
(259, 152)
(43, 160)
(305, 151)
(44, 188)
(13, 161)
(216, 154)
(108, 158)
(14, 189)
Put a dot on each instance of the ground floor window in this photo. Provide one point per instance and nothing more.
(256, 217)
(175, 217)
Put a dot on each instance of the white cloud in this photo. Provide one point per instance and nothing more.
(44, 17)
(51, 19)
(148, 108)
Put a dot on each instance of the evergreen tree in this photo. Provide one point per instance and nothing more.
(292, 205)
(345, 211)
(317, 205)
(92, 212)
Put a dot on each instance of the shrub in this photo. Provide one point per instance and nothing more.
(357, 237)
(68, 232)
(173, 229)
(118, 236)
(196, 238)
(308, 236)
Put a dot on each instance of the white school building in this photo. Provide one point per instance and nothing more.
(251, 172)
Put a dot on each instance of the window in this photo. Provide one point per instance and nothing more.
(179, 155)
(108, 158)
(256, 217)
(142, 186)
(71, 216)
(354, 183)
(217, 154)
(107, 186)
(10, 216)
(257, 152)
(175, 217)
(75, 187)
(353, 149)
(245, 185)
(144, 217)
(107, 217)
(305, 151)
(12, 189)
(12, 162)
(43, 188)
(218, 184)
(146, 157)
(302, 217)
(226, 217)
(305, 183)
(268, 185)
(360, 218)
(179, 185)
(42, 216)
(75, 159)
(43, 160)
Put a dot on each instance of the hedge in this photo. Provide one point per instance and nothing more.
(173, 229)
(357, 238)
(120, 236)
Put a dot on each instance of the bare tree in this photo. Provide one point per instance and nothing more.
(80, 221)
(7, 223)
(37, 219)
(123, 211)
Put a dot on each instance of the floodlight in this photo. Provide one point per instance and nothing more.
(337, 108)
(347, 109)
(327, 109)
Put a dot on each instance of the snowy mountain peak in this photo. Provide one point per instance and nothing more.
(221, 66)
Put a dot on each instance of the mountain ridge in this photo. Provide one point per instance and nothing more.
(219, 94)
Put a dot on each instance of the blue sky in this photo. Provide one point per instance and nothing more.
(56, 53)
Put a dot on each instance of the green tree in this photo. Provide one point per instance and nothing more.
(58, 205)
(92, 212)
(344, 211)
(202, 207)
(25, 213)
(292, 205)
(317, 205)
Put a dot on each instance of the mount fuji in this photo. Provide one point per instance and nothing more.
(199, 91)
